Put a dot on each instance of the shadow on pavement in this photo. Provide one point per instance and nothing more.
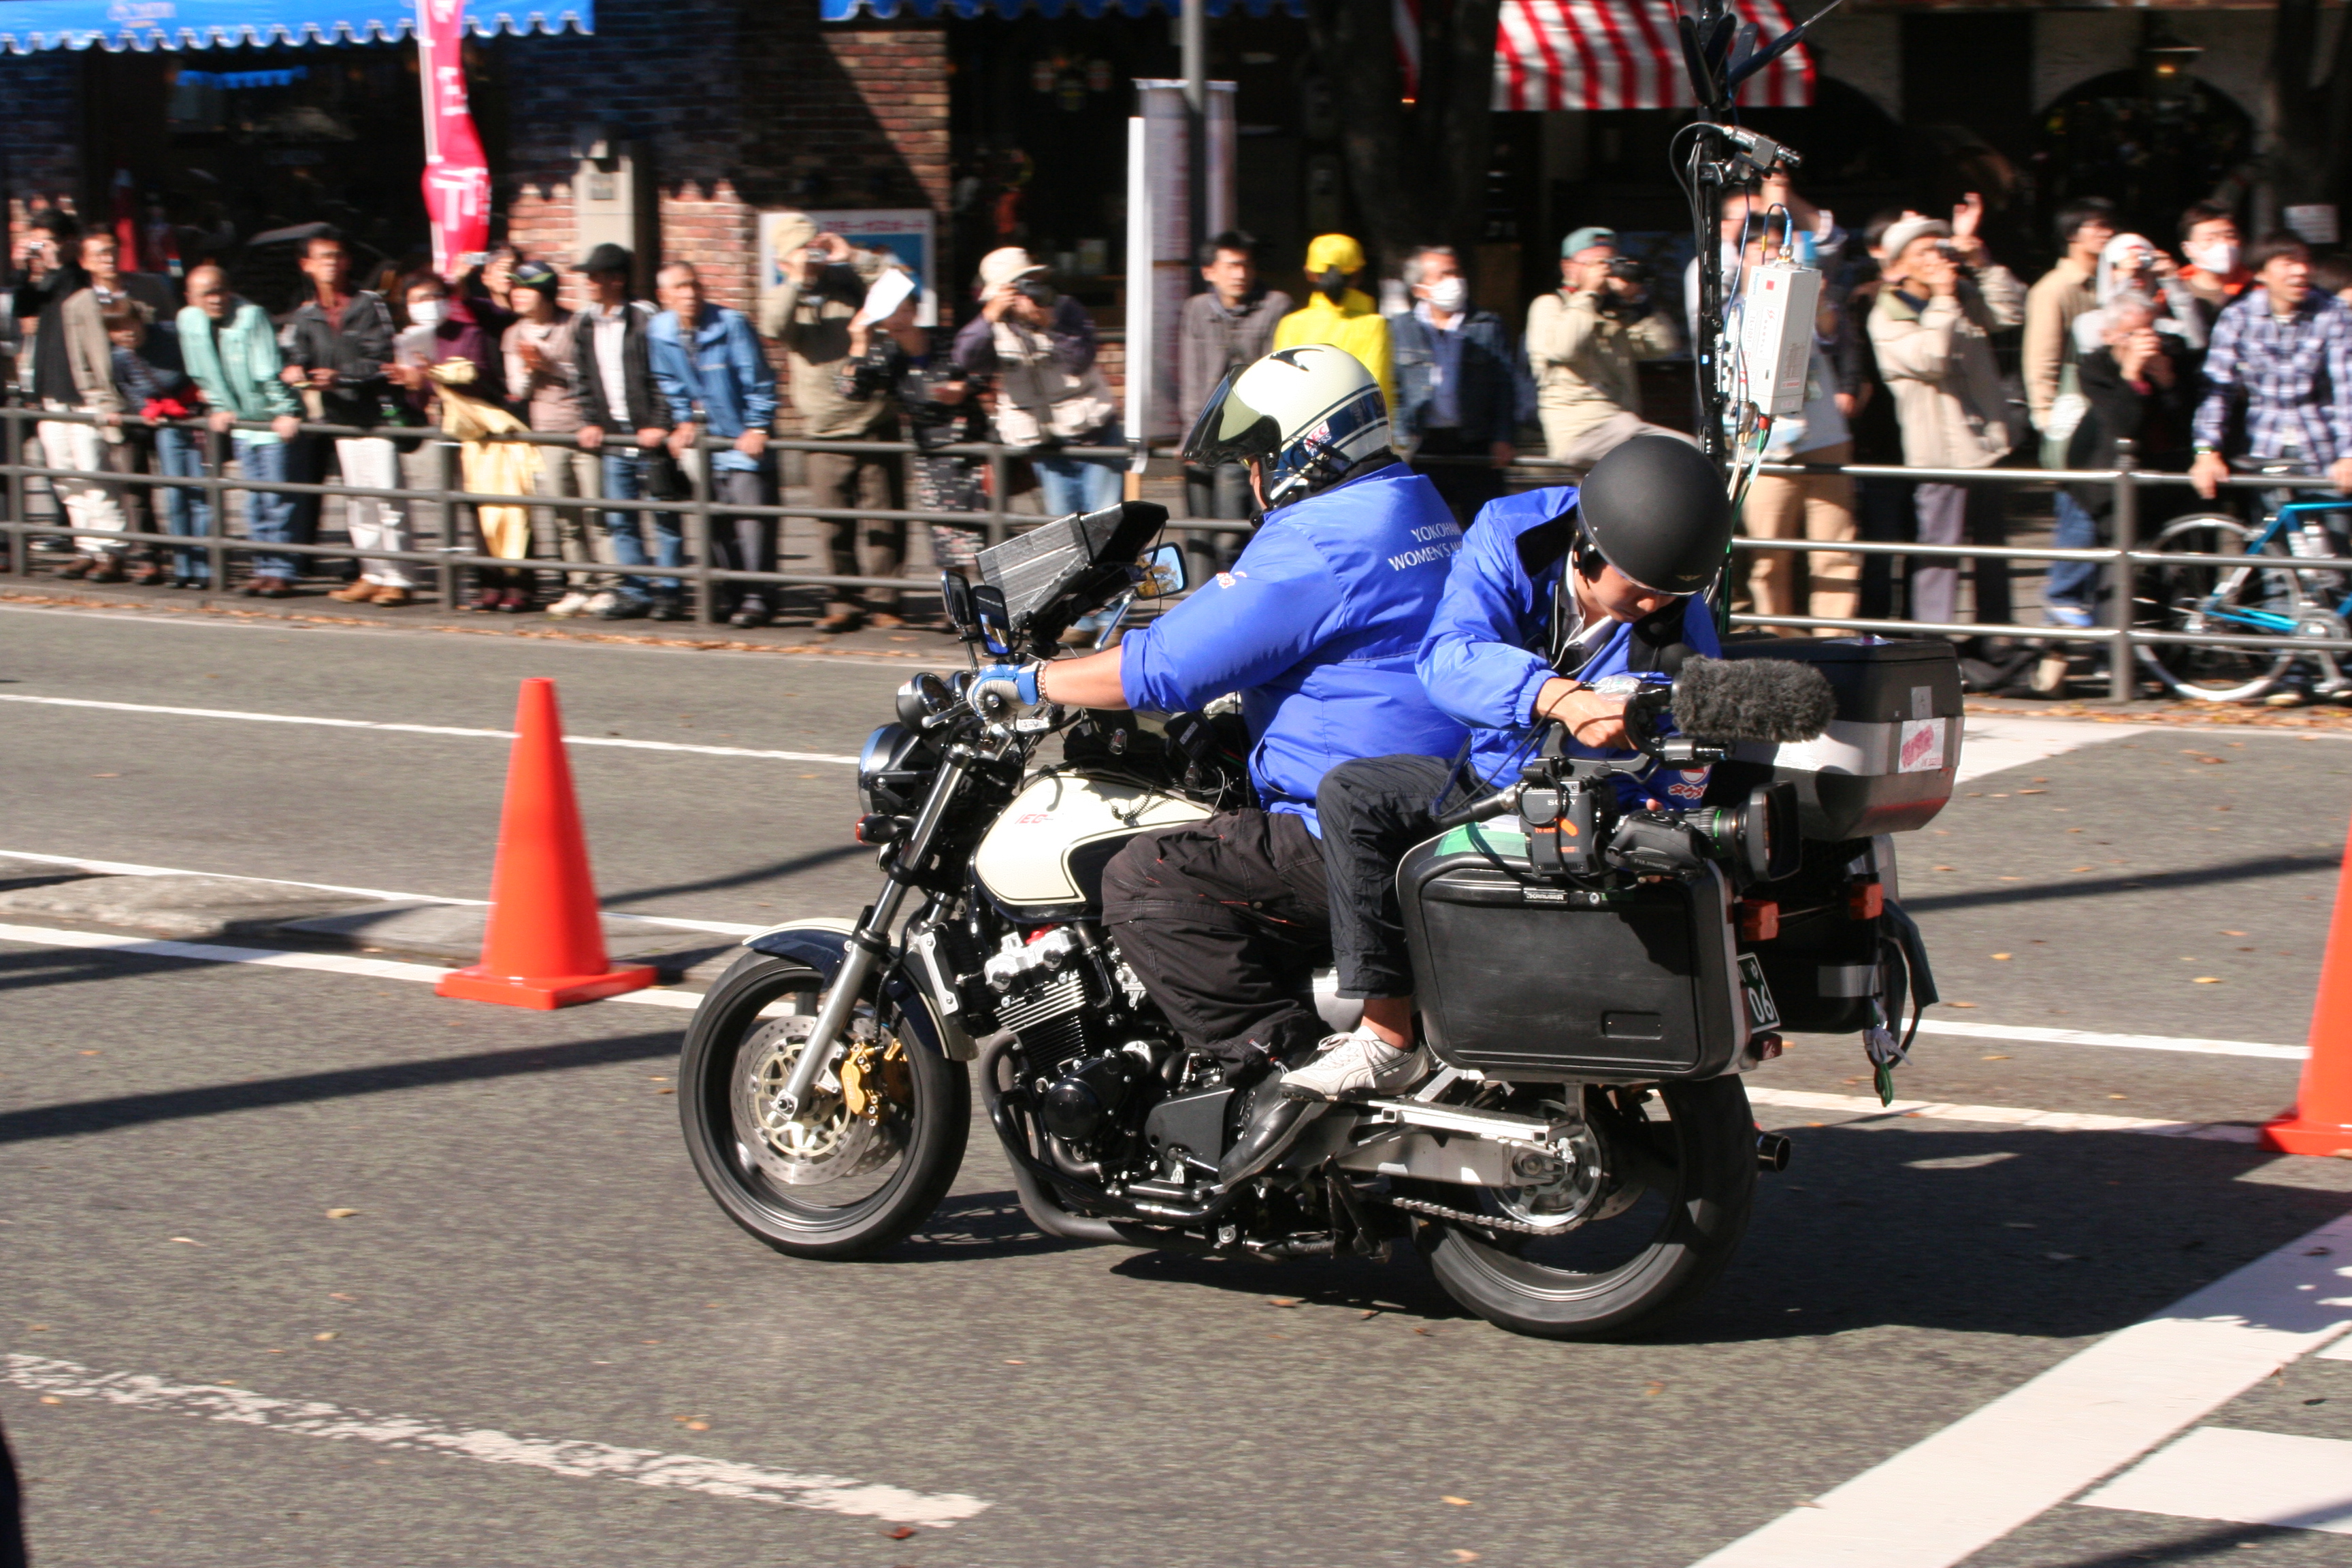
(793, 867)
(2149, 882)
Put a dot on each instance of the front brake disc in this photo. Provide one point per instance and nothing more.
(829, 1141)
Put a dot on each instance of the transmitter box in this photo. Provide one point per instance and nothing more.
(1777, 310)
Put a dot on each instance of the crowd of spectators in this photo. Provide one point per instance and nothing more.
(2229, 358)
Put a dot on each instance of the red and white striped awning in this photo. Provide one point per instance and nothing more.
(1625, 53)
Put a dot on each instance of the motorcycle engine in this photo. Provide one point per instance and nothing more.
(1068, 1005)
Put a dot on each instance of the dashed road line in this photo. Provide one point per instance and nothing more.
(557, 1456)
(2245, 1477)
(275, 958)
(131, 868)
(830, 758)
(1950, 1495)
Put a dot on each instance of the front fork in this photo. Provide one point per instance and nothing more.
(871, 943)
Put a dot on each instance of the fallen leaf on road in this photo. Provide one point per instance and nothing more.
(1651, 1390)
(2033, 791)
(901, 1533)
(2078, 868)
(1940, 868)
(698, 1426)
(338, 1296)
(665, 1091)
(187, 1241)
(324, 1338)
(341, 1213)
(2234, 934)
(1993, 1059)
(2319, 1252)
(1463, 1555)
(51, 1399)
(1281, 1301)
(1014, 1360)
(106, 776)
(1424, 1332)
(2001, 957)
(2207, 980)
(1959, 1003)
(1456, 1501)
(1369, 1312)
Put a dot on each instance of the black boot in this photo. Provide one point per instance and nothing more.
(1270, 1125)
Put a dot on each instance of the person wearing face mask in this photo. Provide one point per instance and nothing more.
(2216, 272)
(1457, 383)
(1585, 343)
(1340, 315)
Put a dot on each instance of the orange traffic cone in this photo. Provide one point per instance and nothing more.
(2321, 1121)
(545, 946)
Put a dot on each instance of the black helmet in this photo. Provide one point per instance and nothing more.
(1656, 509)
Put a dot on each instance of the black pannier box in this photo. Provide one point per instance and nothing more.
(1521, 978)
(1888, 763)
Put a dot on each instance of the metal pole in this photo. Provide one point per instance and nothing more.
(444, 482)
(1000, 475)
(2123, 656)
(20, 543)
(215, 511)
(1195, 31)
(706, 610)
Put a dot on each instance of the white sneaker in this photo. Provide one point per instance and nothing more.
(1361, 1063)
(599, 605)
(573, 603)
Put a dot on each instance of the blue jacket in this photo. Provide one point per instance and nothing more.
(725, 376)
(1487, 655)
(1315, 626)
(1488, 379)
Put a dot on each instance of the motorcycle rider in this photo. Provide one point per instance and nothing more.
(1557, 603)
(1317, 627)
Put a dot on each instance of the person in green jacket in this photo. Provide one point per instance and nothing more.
(231, 352)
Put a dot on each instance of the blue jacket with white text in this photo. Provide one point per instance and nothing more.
(1488, 650)
(1317, 627)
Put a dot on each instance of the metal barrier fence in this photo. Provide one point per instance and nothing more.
(2123, 637)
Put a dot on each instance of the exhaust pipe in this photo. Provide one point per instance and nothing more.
(1772, 1151)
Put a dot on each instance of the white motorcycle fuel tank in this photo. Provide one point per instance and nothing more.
(1043, 857)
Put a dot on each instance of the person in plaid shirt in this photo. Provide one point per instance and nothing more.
(2281, 357)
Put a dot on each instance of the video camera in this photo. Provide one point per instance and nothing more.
(1570, 808)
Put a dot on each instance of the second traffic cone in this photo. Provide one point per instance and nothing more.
(2321, 1121)
(545, 943)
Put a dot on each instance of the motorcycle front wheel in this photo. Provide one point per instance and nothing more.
(1663, 1207)
(869, 1158)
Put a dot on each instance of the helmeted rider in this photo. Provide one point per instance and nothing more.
(1317, 627)
(1560, 601)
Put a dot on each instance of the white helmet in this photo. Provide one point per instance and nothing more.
(1311, 414)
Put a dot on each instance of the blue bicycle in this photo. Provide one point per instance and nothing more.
(2292, 583)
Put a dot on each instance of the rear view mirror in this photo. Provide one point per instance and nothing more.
(955, 597)
(1164, 574)
(993, 621)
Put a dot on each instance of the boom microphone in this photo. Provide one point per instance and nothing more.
(1769, 699)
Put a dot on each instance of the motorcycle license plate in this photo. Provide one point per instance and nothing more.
(1761, 1012)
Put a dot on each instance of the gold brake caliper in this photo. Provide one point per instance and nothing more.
(873, 1081)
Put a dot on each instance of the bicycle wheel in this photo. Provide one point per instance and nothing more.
(2248, 596)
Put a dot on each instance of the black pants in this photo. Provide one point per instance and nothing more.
(1465, 486)
(1373, 810)
(1889, 516)
(1222, 493)
(1225, 923)
(742, 544)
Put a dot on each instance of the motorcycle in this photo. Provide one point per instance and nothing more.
(1593, 978)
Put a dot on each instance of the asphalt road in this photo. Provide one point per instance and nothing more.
(528, 1257)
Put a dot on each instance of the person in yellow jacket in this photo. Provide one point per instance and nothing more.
(1343, 317)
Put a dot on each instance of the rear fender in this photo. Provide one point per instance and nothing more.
(820, 943)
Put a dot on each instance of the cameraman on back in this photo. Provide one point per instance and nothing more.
(1585, 343)
(1561, 600)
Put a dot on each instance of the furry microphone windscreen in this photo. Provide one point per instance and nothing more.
(1769, 700)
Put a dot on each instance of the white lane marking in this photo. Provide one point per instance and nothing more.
(1325, 984)
(2246, 1477)
(273, 958)
(1942, 1500)
(828, 757)
(2188, 1043)
(388, 969)
(128, 869)
(2001, 1115)
(1991, 742)
(559, 1456)
(2340, 1351)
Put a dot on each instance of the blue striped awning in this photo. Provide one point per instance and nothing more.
(845, 10)
(29, 25)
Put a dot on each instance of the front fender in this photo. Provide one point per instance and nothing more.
(820, 943)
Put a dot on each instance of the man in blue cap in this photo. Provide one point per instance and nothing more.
(1586, 340)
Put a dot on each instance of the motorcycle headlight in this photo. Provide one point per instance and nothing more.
(888, 768)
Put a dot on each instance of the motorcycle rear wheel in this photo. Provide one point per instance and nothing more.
(1702, 1178)
(836, 1185)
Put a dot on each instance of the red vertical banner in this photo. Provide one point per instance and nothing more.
(457, 177)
